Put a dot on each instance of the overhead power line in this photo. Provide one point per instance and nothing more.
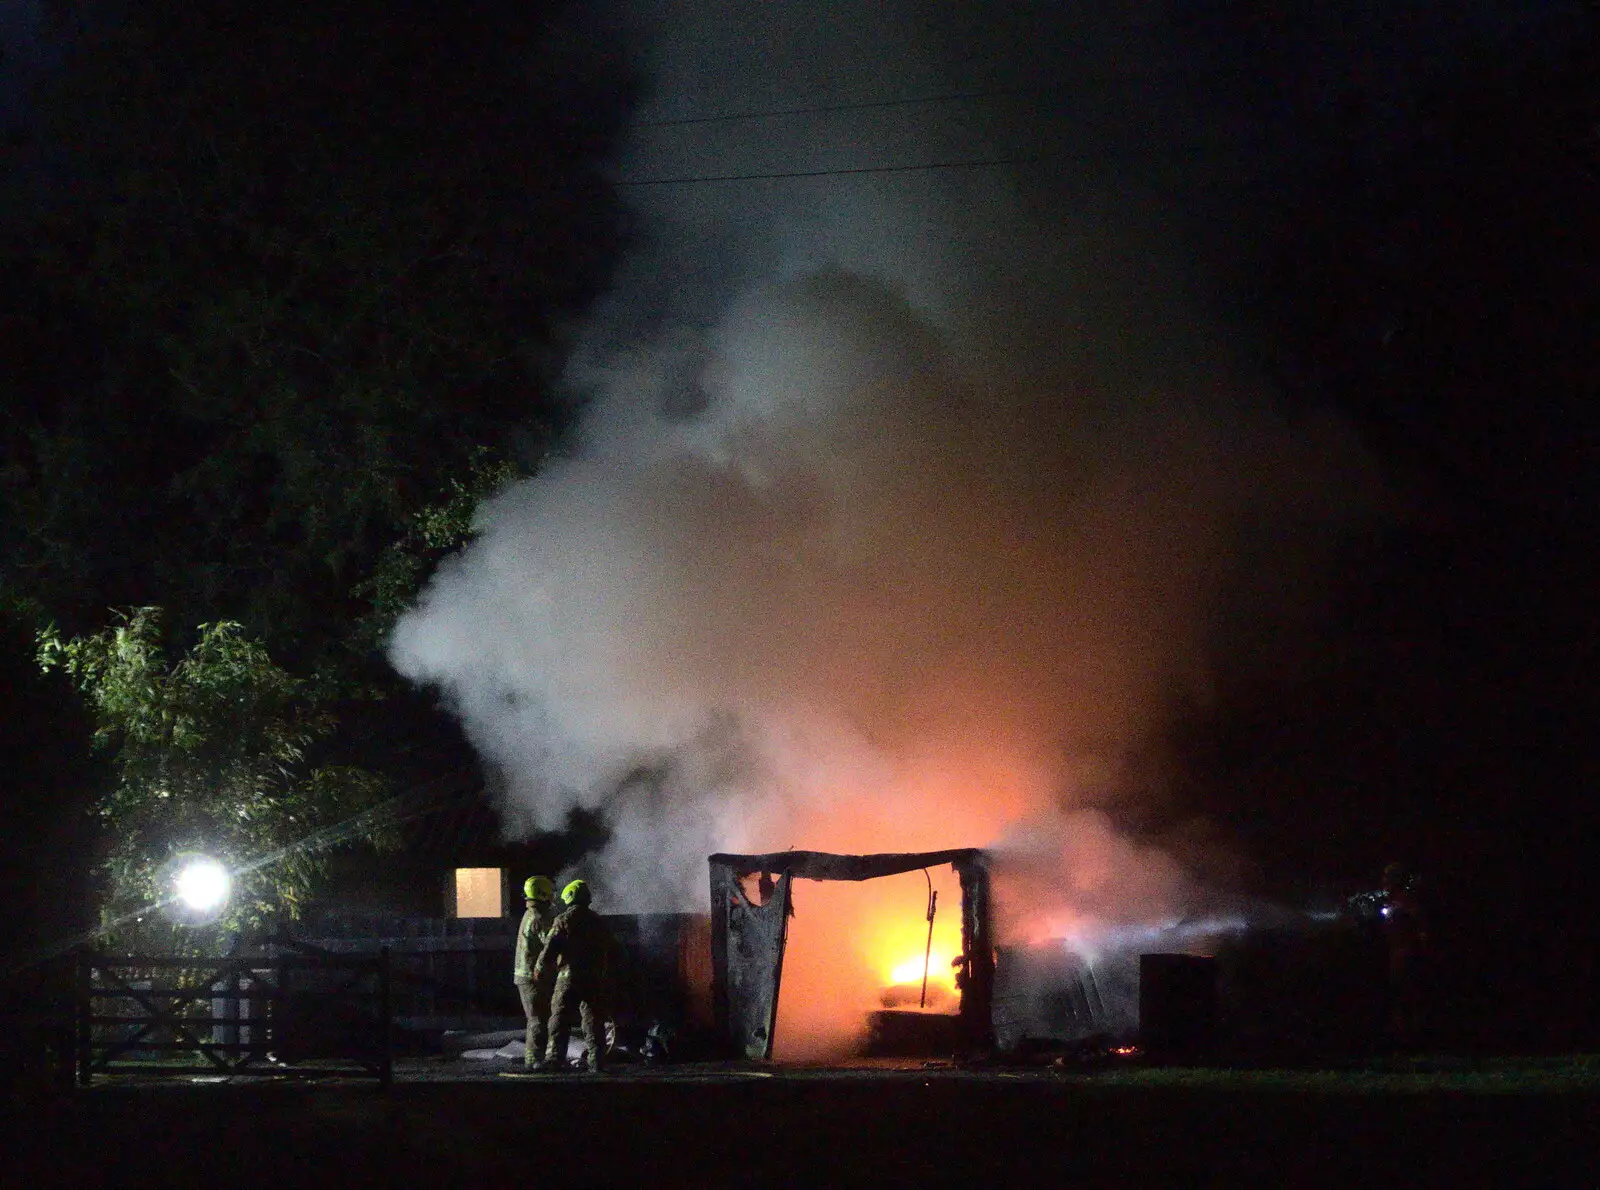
(1183, 151)
(951, 97)
(829, 173)
(1064, 85)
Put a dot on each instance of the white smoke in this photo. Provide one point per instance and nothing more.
(864, 570)
(909, 525)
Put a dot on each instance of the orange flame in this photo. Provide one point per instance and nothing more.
(847, 943)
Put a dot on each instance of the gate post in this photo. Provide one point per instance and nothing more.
(83, 1050)
(281, 1027)
(235, 1036)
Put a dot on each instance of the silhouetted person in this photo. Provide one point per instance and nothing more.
(577, 953)
(1405, 935)
(538, 894)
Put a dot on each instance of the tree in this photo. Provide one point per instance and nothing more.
(215, 752)
(285, 299)
(304, 266)
(48, 778)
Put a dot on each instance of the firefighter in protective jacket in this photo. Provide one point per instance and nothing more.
(539, 894)
(576, 954)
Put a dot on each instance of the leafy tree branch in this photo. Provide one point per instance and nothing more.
(213, 751)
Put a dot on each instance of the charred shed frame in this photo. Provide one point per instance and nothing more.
(748, 935)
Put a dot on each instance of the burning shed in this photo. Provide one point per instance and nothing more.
(751, 904)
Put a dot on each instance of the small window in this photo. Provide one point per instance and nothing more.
(478, 892)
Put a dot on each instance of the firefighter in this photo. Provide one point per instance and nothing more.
(1405, 935)
(576, 956)
(539, 894)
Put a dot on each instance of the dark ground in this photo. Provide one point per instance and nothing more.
(1508, 1123)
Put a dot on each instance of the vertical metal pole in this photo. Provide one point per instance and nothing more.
(927, 953)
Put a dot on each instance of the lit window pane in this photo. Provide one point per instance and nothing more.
(478, 892)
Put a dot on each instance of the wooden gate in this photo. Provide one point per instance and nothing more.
(282, 1014)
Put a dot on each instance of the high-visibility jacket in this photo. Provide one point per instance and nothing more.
(532, 934)
(579, 945)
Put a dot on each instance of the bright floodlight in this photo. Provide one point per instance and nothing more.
(203, 884)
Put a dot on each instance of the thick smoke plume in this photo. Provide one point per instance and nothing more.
(908, 516)
(875, 592)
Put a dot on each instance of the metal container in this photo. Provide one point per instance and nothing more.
(1177, 1005)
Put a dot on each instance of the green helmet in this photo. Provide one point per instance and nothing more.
(576, 893)
(538, 888)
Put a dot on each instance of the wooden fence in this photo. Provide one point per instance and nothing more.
(440, 982)
(284, 1014)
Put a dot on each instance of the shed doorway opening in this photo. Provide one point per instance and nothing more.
(858, 950)
(867, 931)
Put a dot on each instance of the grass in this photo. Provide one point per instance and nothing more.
(1393, 1076)
(1403, 1120)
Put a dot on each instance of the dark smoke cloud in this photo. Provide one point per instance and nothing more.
(904, 509)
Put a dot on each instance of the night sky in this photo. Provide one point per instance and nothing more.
(1266, 334)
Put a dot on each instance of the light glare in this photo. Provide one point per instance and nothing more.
(938, 968)
(203, 884)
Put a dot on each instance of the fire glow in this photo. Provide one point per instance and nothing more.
(857, 948)
(938, 970)
(899, 584)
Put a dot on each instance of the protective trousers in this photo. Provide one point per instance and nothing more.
(570, 994)
(536, 1007)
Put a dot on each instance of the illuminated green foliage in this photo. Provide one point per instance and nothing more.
(431, 533)
(213, 751)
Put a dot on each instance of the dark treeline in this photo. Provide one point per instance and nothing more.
(283, 289)
(289, 272)
(1436, 278)
(283, 286)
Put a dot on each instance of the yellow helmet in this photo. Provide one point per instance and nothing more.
(538, 888)
(576, 893)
